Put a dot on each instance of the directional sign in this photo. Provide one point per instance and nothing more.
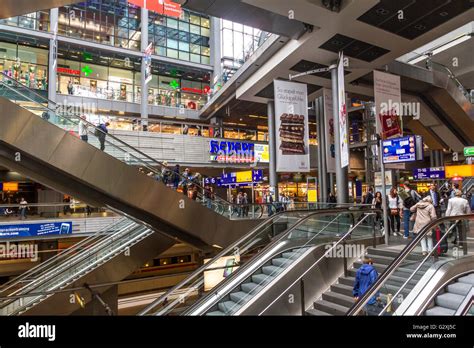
(429, 173)
(469, 151)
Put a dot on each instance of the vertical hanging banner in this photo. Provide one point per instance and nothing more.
(342, 107)
(388, 99)
(330, 137)
(147, 61)
(291, 122)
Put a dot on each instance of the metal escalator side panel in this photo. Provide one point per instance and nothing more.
(93, 176)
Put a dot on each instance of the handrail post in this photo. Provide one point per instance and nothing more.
(344, 257)
(303, 305)
(374, 243)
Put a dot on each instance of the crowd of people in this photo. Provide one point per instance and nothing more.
(405, 205)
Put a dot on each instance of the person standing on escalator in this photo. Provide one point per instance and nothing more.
(101, 133)
(83, 129)
(366, 276)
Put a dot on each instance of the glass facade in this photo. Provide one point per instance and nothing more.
(114, 77)
(35, 21)
(28, 65)
(185, 38)
(110, 22)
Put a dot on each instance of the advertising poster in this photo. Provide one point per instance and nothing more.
(147, 60)
(221, 269)
(291, 122)
(342, 107)
(330, 139)
(35, 230)
(388, 99)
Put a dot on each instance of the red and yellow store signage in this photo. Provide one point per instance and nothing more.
(459, 171)
(164, 7)
(10, 186)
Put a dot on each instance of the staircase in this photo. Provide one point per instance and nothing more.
(233, 301)
(338, 298)
(451, 298)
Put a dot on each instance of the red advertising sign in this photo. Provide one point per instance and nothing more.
(206, 90)
(164, 7)
(68, 71)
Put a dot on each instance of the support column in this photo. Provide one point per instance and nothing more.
(273, 177)
(144, 89)
(341, 173)
(321, 134)
(216, 50)
(53, 57)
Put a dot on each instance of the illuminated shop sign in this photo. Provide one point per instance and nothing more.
(205, 90)
(68, 71)
(165, 7)
(236, 178)
(224, 151)
(429, 173)
(405, 149)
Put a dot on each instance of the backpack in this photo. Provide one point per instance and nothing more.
(97, 132)
(407, 198)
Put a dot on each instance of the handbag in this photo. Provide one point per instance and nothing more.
(393, 212)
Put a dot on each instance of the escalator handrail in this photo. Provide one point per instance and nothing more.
(74, 260)
(95, 127)
(391, 268)
(77, 261)
(222, 253)
(269, 246)
(466, 304)
(328, 251)
(61, 254)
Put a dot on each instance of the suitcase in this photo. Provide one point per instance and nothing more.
(442, 248)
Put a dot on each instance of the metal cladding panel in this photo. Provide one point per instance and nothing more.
(12, 125)
(76, 164)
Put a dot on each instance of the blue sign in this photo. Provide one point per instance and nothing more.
(35, 230)
(229, 179)
(405, 149)
(238, 151)
(429, 173)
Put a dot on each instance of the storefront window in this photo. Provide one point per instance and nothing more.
(28, 65)
(34, 21)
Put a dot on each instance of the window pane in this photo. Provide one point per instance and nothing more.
(195, 19)
(195, 29)
(205, 32)
(172, 23)
(196, 58)
(205, 60)
(205, 22)
(172, 43)
(184, 46)
(172, 53)
(183, 55)
(183, 26)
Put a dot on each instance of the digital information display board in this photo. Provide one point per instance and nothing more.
(429, 173)
(405, 149)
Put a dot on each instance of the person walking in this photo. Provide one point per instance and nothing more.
(70, 88)
(410, 198)
(458, 206)
(394, 207)
(377, 204)
(101, 133)
(83, 129)
(425, 213)
(245, 202)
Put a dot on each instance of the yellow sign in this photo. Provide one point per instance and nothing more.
(312, 196)
(244, 176)
(10, 186)
(462, 171)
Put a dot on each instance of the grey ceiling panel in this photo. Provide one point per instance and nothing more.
(354, 48)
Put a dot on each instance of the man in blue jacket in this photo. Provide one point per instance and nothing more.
(366, 276)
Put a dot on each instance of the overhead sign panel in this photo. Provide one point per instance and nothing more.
(434, 173)
(404, 149)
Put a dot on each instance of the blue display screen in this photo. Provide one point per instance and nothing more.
(400, 149)
(429, 173)
(35, 230)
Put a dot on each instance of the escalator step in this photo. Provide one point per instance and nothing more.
(271, 270)
(316, 312)
(250, 287)
(437, 310)
(342, 289)
(228, 307)
(291, 255)
(216, 313)
(330, 308)
(262, 279)
(469, 279)
(448, 300)
(281, 262)
(459, 288)
(240, 297)
(349, 281)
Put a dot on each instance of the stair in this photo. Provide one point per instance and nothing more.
(243, 293)
(338, 299)
(452, 296)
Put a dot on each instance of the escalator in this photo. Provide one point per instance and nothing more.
(44, 149)
(437, 283)
(245, 278)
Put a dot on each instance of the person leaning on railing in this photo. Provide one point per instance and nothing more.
(458, 206)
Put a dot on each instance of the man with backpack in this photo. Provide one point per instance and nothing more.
(366, 276)
(409, 198)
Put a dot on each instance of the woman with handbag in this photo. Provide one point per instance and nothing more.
(395, 206)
